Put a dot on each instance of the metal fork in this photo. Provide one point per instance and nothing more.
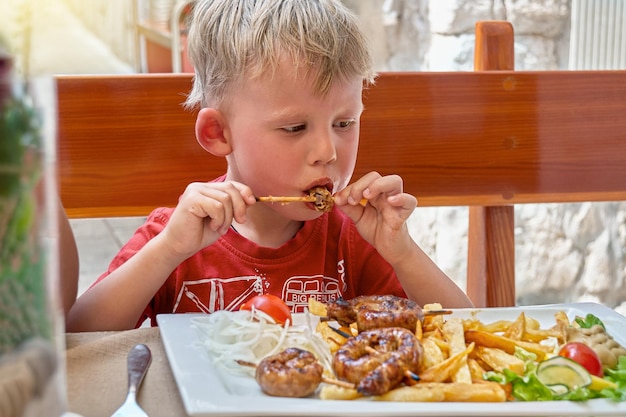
(139, 358)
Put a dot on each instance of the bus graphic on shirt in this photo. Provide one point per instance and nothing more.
(298, 289)
(212, 294)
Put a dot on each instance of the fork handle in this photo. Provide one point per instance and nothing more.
(139, 359)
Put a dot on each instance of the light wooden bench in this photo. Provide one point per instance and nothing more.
(487, 139)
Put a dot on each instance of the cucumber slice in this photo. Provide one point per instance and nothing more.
(562, 375)
(559, 389)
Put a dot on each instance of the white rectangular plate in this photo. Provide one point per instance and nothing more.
(208, 391)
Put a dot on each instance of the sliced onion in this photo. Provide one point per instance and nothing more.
(251, 335)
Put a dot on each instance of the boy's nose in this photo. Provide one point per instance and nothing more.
(323, 150)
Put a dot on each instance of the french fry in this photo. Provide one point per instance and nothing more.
(494, 327)
(432, 306)
(414, 393)
(445, 370)
(419, 333)
(528, 330)
(517, 329)
(487, 339)
(531, 331)
(438, 337)
(333, 338)
(441, 391)
(425, 392)
(539, 335)
(432, 322)
(485, 391)
(561, 318)
(432, 353)
(498, 360)
(562, 323)
(454, 333)
(476, 369)
(334, 392)
(532, 324)
(317, 308)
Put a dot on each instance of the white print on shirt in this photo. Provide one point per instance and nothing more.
(297, 291)
(230, 293)
(218, 286)
(341, 269)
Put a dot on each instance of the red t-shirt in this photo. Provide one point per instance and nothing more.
(326, 259)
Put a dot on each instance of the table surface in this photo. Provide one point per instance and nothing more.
(97, 380)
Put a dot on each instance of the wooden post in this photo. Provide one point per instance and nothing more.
(491, 240)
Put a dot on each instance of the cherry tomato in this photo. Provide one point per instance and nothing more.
(271, 305)
(584, 355)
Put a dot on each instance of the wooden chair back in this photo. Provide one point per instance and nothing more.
(487, 139)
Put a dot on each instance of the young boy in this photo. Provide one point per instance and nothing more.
(279, 85)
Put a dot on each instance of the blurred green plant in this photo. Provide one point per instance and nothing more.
(23, 300)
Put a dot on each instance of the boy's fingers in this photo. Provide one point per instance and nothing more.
(388, 185)
(404, 201)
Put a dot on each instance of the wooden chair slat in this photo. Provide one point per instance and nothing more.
(493, 138)
(126, 145)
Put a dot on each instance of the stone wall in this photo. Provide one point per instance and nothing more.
(564, 252)
(438, 35)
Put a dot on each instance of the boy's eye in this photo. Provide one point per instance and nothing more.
(344, 124)
(294, 129)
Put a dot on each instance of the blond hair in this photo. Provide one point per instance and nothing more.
(232, 40)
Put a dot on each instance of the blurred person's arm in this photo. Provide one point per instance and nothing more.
(68, 261)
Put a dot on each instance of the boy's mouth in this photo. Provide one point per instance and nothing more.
(323, 198)
(319, 197)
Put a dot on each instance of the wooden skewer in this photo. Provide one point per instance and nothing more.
(273, 199)
(340, 332)
(342, 384)
(246, 363)
(426, 313)
(318, 195)
(339, 383)
(436, 312)
(302, 199)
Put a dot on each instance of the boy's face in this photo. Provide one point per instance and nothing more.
(287, 138)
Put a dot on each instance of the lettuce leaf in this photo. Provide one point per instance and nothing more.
(528, 388)
(617, 375)
(589, 321)
(523, 387)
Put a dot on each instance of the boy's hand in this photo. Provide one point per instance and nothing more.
(204, 212)
(382, 221)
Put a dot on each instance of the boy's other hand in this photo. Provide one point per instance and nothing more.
(382, 221)
(204, 212)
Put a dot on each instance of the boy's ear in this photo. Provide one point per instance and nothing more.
(210, 132)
